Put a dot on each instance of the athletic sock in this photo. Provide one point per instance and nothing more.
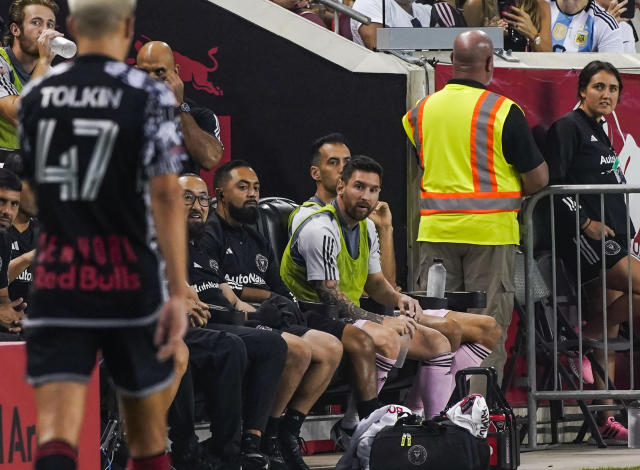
(250, 442)
(273, 424)
(350, 419)
(413, 400)
(56, 455)
(436, 383)
(292, 421)
(365, 408)
(468, 355)
(383, 366)
(156, 462)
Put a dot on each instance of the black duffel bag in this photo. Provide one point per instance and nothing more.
(430, 445)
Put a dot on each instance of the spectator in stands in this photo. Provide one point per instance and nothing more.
(266, 350)
(578, 151)
(527, 23)
(11, 312)
(301, 7)
(23, 235)
(615, 9)
(401, 13)
(468, 207)
(333, 255)
(27, 55)
(477, 333)
(583, 26)
(249, 266)
(200, 127)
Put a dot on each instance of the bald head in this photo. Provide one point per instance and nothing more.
(472, 56)
(156, 58)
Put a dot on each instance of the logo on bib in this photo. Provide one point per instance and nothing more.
(417, 455)
(581, 37)
(559, 31)
(262, 262)
(612, 247)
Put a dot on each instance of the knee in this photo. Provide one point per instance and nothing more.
(439, 343)
(388, 343)
(492, 332)
(181, 359)
(298, 353)
(236, 351)
(333, 348)
(357, 342)
(452, 330)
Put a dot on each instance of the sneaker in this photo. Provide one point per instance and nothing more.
(341, 436)
(253, 460)
(291, 446)
(587, 372)
(614, 433)
(271, 448)
(193, 456)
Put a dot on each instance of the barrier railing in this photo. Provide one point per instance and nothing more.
(338, 7)
(531, 270)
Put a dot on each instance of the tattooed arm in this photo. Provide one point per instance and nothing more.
(339, 305)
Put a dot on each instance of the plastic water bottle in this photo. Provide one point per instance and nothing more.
(63, 47)
(436, 279)
(633, 413)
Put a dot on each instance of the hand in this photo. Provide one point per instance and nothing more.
(174, 82)
(521, 22)
(381, 215)
(402, 325)
(617, 9)
(497, 22)
(593, 230)
(44, 44)
(198, 312)
(172, 324)
(11, 315)
(408, 305)
(244, 307)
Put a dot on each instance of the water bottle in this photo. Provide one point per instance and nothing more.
(63, 47)
(633, 415)
(436, 279)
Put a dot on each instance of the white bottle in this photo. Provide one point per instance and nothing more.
(436, 279)
(63, 47)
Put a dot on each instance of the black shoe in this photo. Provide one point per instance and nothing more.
(271, 447)
(290, 447)
(193, 457)
(253, 460)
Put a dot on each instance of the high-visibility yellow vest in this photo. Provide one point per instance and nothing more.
(469, 193)
(8, 133)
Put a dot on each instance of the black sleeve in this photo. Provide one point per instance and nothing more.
(207, 121)
(518, 146)
(5, 257)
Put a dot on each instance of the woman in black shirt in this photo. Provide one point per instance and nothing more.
(578, 151)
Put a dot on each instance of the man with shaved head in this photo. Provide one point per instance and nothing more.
(200, 126)
(101, 146)
(479, 158)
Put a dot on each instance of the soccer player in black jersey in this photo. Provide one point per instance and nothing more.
(101, 146)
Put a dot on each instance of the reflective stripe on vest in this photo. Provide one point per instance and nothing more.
(415, 121)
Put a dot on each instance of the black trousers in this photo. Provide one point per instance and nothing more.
(267, 353)
(217, 365)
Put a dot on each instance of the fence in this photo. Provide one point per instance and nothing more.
(531, 272)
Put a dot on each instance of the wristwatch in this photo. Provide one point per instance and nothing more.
(184, 108)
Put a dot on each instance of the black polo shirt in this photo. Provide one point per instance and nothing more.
(21, 243)
(205, 277)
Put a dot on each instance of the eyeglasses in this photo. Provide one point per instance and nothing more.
(190, 199)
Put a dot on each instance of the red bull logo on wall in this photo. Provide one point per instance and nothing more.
(191, 70)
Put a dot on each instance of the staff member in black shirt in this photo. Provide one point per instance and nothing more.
(578, 151)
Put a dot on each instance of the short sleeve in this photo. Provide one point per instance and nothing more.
(609, 35)
(7, 88)
(163, 150)
(518, 145)
(374, 248)
(207, 121)
(319, 244)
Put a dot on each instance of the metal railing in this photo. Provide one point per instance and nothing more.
(338, 7)
(557, 393)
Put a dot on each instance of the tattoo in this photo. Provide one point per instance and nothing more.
(339, 305)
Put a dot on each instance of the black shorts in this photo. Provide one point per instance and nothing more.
(615, 249)
(69, 354)
(321, 322)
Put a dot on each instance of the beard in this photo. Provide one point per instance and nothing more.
(245, 214)
(28, 46)
(196, 229)
(355, 215)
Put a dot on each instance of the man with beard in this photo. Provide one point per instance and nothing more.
(11, 313)
(27, 55)
(476, 334)
(251, 270)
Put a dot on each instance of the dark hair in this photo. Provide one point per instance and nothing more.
(333, 138)
(222, 173)
(9, 180)
(361, 163)
(593, 68)
(16, 14)
(14, 164)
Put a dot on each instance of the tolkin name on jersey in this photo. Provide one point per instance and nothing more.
(607, 160)
(94, 264)
(83, 97)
